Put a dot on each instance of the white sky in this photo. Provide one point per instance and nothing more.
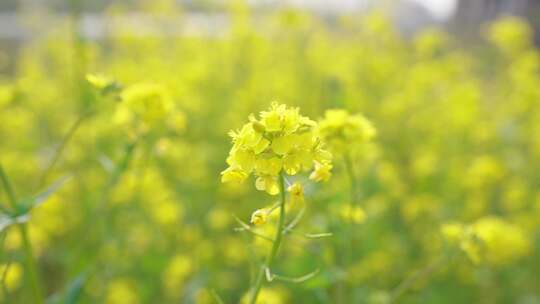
(439, 9)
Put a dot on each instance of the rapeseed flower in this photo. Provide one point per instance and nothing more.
(490, 239)
(259, 217)
(296, 191)
(343, 131)
(282, 140)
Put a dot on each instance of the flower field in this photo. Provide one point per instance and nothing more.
(283, 158)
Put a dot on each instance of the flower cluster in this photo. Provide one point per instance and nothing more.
(489, 239)
(512, 35)
(281, 140)
(146, 105)
(343, 131)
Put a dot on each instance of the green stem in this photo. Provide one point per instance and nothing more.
(9, 190)
(406, 284)
(60, 149)
(275, 246)
(27, 246)
(349, 167)
(352, 180)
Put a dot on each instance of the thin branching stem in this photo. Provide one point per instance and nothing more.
(3, 281)
(246, 227)
(275, 245)
(272, 276)
(294, 222)
(352, 180)
(60, 149)
(216, 296)
(27, 246)
(12, 199)
(353, 197)
(406, 284)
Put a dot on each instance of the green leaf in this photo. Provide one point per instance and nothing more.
(74, 289)
(71, 293)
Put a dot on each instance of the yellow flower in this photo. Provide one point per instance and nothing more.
(354, 214)
(503, 242)
(178, 270)
(13, 275)
(267, 296)
(233, 175)
(122, 291)
(7, 94)
(147, 102)
(322, 172)
(490, 239)
(271, 121)
(98, 81)
(259, 217)
(297, 193)
(343, 131)
(452, 232)
(511, 34)
(282, 140)
(267, 183)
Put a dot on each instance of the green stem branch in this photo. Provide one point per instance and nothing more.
(352, 180)
(406, 284)
(27, 246)
(60, 149)
(353, 197)
(275, 246)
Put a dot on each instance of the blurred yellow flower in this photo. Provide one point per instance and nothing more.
(13, 273)
(267, 296)
(510, 34)
(98, 81)
(322, 172)
(353, 214)
(490, 239)
(178, 269)
(343, 131)
(122, 291)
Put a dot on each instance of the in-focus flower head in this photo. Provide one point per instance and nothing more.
(342, 130)
(280, 140)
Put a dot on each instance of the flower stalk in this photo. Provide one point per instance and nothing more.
(275, 245)
(27, 245)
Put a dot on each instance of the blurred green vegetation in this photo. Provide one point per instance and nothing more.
(449, 190)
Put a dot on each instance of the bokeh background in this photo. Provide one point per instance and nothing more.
(452, 87)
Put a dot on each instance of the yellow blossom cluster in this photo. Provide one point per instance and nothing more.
(343, 131)
(490, 239)
(145, 102)
(281, 140)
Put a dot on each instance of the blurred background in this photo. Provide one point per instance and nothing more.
(124, 204)
(461, 18)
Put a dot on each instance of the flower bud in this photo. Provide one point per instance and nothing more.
(259, 217)
(257, 126)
